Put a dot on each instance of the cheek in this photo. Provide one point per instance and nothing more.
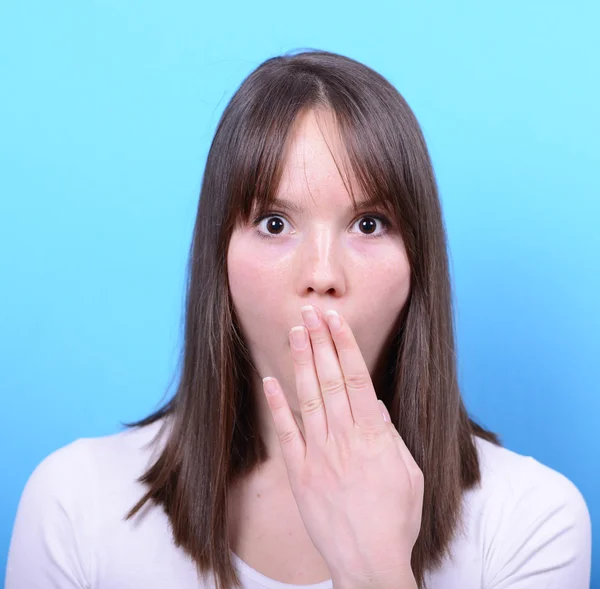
(255, 287)
(382, 278)
(386, 290)
(251, 282)
(243, 280)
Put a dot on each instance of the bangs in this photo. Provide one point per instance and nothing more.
(360, 155)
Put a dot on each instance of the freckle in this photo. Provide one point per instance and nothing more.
(258, 494)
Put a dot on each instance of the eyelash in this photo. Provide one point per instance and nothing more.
(386, 224)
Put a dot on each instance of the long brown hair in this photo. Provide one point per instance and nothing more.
(213, 439)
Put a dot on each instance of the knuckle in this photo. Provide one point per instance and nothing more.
(318, 339)
(369, 434)
(302, 360)
(418, 476)
(310, 406)
(288, 436)
(343, 341)
(334, 387)
(357, 381)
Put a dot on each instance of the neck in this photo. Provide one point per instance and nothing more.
(266, 425)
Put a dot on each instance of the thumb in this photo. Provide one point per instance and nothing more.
(388, 420)
(384, 412)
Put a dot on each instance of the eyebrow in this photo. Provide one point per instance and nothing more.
(294, 208)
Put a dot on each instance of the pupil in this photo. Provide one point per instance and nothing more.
(276, 225)
(273, 223)
(369, 224)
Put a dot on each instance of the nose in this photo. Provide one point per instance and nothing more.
(321, 264)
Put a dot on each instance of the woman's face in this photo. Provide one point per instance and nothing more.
(320, 253)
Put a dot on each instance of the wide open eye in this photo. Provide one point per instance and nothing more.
(367, 225)
(273, 226)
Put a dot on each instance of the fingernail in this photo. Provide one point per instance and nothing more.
(299, 337)
(333, 319)
(384, 411)
(270, 386)
(310, 316)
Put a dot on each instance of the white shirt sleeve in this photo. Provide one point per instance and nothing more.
(544, 539)
(51, 544)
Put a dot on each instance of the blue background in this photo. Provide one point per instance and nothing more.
(107, 112)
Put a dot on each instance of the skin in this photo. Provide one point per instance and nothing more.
(321, 257)
(317, 440)
(357, 487)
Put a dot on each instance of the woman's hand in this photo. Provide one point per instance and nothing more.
(358, 489)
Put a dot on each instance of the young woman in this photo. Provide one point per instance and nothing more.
(318, 264)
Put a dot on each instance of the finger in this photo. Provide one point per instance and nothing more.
(361, 394)
(411, 465)
(384, 412)
(290, 437)
(415, 473)
(409, 461)
(390, 424)
(308, 391)
(329, 372)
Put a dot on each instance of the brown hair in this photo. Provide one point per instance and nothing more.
(213, 438)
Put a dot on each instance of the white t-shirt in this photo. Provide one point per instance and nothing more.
(526, 527)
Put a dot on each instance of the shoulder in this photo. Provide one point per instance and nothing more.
(520, 479)
(534, 521)
(66, 499)
(94, 462)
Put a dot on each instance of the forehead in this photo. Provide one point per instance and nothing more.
(311, 166)
(315, 172)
